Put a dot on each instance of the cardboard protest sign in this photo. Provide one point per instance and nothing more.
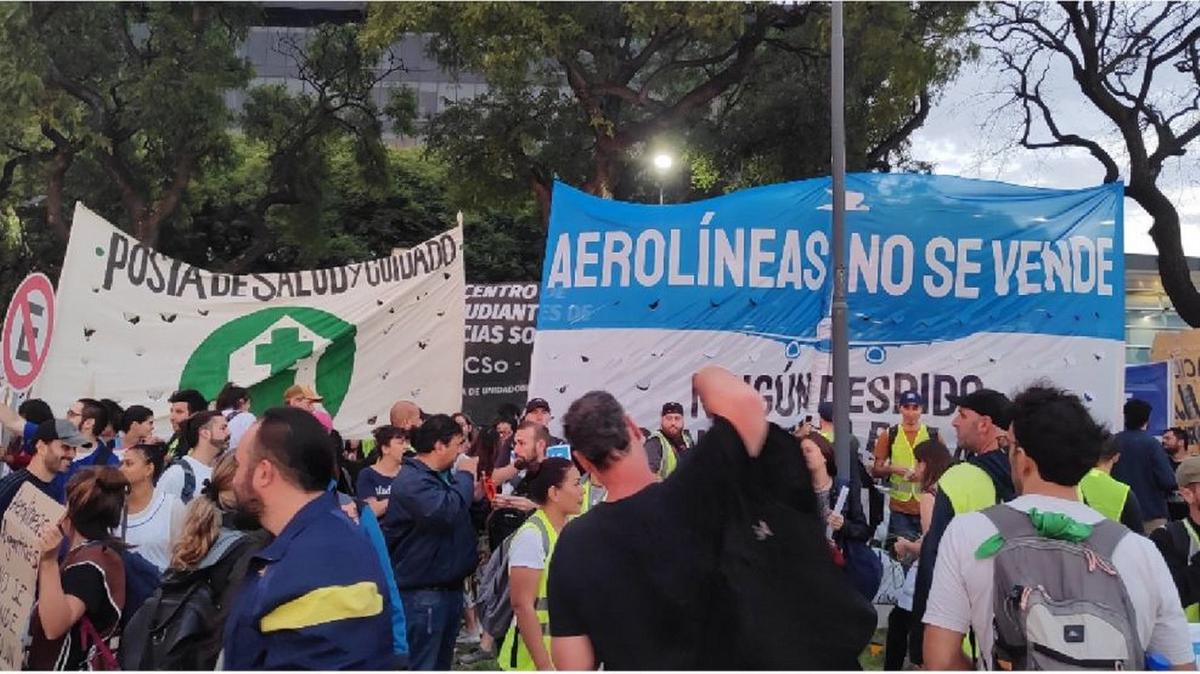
(135, 325)
(25, 521)
(953, 285)
(1182, 349)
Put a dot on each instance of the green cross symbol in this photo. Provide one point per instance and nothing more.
(284, 349)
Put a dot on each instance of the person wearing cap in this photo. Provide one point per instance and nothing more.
(981, 481)
(1111, 497)
(1144, 465)
(894, 461)
(537, 410)
(1179, 541)
(305, 397)
(54, 445)
(1053, 443)
(664, 446)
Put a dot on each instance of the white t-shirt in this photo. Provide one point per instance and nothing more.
(172, 479)
(527, 550)
(238, 424)
(961, 594)
(154, 530)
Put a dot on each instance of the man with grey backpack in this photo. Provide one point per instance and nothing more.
(1044, 581)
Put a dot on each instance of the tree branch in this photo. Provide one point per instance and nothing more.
(877, 156)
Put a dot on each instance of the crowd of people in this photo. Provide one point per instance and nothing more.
(270, 542)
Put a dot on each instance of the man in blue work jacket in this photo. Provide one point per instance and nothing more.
(316, 597)
(432, 543)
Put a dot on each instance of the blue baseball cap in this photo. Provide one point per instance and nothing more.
(911, 398)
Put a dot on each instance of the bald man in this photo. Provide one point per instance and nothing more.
(405, 414)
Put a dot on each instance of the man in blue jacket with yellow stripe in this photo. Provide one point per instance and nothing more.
(315, 598)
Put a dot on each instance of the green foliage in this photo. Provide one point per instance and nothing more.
(739, 91)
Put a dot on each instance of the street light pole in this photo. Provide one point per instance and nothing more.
(840, 345)
(662, 163)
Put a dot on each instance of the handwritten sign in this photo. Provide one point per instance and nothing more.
(29, 515)
(1182, 349)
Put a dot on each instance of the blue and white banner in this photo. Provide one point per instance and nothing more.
(954, 285)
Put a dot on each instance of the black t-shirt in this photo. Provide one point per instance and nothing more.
(11, 484)
(724, 565)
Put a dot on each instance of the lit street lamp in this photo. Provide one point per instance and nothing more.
(662, 163)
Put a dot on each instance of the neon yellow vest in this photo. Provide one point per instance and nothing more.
(828, 435)
(514, 656)
(592, 494)
(669, 460)
(1191, 611)
(1103, 492)
(902, 457)
(969, 488)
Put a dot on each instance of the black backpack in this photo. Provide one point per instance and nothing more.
(179, 627)
(502, 523)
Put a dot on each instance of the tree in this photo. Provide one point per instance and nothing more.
(1138, 65)
(138, 88)
(774, 126)
(634, 70)
(299, 130)
(741, 87)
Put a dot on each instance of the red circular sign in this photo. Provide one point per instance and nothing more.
(28, 326)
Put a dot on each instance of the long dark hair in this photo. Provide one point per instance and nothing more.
(937, 459)
(486, 447)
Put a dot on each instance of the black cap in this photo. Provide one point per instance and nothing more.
(537, 404)
(825, 410)
(986, 402)
(672, 408)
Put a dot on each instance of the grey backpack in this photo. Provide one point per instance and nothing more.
(492, 601)
(1060, 605)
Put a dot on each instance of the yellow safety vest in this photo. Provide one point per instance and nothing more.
(669, 461)
(514, 656)
(902, 457)
(828, 435)
(970, 489)
(592, 494)
(1103, 492)
(1191, 611)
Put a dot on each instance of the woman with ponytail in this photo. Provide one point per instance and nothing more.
(214, 548)
(153, 518)
(80, 599)
(555, 487)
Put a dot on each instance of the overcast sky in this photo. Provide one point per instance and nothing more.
(964, 136)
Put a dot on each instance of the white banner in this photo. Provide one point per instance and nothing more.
(134, 325)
